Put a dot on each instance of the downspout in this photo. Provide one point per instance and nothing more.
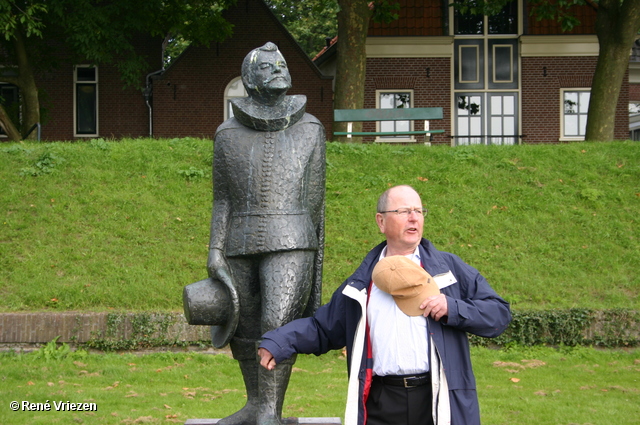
(148, 94)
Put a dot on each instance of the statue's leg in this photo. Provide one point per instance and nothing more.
(286, 280)
(244, 343)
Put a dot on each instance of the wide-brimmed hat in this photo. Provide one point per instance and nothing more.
(212, 302)
(407, 282)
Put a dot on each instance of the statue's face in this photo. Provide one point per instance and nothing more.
(270, 73)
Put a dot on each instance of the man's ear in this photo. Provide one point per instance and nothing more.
(380, 222)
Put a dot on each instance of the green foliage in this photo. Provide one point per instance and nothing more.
(16, 16)
(174, 48)
(44, 164)
(557, 10)
(385, 11)
(100, 144)
(136, 331)
(51, 351)
(309, 22)
(571, 327)
(192, 173)
(591, 194)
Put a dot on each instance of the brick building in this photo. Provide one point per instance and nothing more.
(189, 98)
(81, 100)
(500, 80)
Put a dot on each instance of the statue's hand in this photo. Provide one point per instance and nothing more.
(218, 267)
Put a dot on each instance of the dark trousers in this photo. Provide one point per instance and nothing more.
(397, 405)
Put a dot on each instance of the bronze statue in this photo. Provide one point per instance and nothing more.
(267, 226)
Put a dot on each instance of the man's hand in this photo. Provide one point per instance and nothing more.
(435, 306)
(266, 359)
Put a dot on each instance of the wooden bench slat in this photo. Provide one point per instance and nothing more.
(390, 133)
(398, 114)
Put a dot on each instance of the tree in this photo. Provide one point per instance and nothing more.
(617, 25)
(351, 57)
(309, 21)
(34, 34)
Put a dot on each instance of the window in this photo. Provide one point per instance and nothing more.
(86, 100)
(469, 119)
(634, 120)
(468, 23)
(486, 75)
(234, 90)
(502, 120)
(469, 64)
(391, 99)
(575, 106)
(504, 22)
(486, 119)
(10, 101)
(502, 58)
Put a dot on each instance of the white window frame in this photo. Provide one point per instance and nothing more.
(75, 99)
(398, 139)
(228, 112)
(563, 136)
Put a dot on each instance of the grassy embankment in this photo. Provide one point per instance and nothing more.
(125, 225)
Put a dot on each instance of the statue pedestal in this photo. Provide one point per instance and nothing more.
(286, 421)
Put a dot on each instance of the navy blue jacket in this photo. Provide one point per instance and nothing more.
(474, 307)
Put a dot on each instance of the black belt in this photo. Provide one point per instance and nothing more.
(407, 381)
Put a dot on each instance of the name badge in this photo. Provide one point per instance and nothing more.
(445, 279)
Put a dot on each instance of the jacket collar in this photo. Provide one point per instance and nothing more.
(432, 260)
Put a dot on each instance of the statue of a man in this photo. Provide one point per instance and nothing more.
(267, 226)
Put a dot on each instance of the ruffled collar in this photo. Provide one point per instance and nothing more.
(269, 118)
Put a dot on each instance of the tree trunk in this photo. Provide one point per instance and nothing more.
(616, 25)
(27, 85)
(353, 24)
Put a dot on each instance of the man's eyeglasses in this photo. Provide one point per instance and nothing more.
(406, 211)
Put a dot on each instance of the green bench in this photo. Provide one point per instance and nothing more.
(398, 114)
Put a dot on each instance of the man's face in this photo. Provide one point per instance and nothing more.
(403, 233)
(270, 72)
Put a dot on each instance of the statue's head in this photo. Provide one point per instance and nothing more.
(265, 74)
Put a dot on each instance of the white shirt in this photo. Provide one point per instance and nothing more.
(399, 342)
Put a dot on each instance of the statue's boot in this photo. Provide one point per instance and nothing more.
(273, 385)
(244, 350)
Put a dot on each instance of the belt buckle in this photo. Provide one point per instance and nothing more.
(406, 383)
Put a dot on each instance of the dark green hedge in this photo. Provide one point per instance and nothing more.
(605, 328)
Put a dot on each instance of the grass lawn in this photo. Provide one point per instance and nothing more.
(543, 386)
